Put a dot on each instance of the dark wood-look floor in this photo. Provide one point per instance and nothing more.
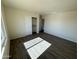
(60, 48)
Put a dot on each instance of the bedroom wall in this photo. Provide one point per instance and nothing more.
(62, 24)
(19, 22)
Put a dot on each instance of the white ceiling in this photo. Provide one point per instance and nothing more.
(42, 6)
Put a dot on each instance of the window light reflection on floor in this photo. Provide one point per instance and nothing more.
(36, 47)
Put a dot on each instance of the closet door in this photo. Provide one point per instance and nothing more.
(28, 25)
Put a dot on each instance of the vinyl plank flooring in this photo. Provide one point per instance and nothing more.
(60, 48)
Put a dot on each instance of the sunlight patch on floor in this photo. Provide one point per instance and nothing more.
(36, 47)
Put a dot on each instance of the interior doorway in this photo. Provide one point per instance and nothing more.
(34, 25)
(41, 24)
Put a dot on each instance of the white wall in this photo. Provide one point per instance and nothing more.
(5, 49)
(62, 24)
(19, 22)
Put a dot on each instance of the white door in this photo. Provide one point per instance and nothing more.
(28, 25)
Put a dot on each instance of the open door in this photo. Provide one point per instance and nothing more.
(34, 25)
(41, 24)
